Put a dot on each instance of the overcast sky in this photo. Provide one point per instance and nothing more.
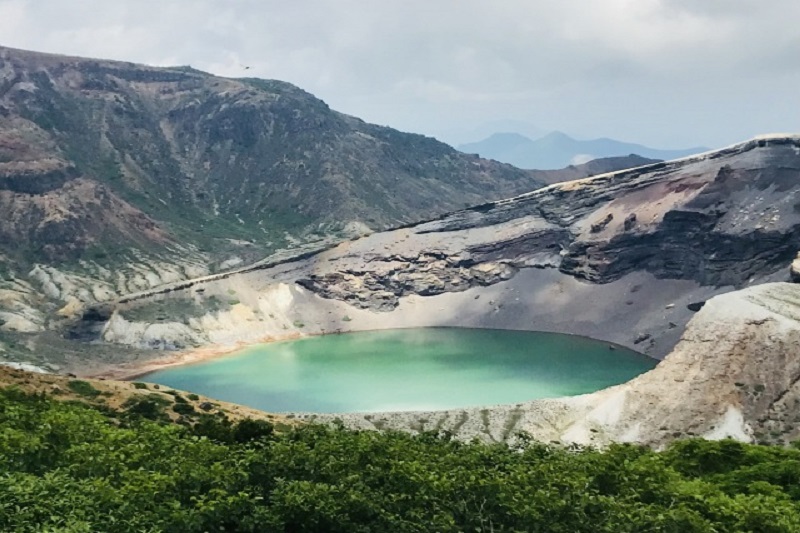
(668, 73)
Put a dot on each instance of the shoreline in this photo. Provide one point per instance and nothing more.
(131, 371)
(515, 304)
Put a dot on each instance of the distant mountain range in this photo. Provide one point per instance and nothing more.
(558, 150)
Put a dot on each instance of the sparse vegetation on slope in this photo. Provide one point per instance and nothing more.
(116, 178)
(149, 157)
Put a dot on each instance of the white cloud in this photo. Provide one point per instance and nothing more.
(581, 159)
(665, 72)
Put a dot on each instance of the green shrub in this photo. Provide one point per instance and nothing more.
(248, 430)
(149, 407)
(183, 408)
(83, 388)
(70, 467)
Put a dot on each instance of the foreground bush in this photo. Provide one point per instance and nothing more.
(67, 467)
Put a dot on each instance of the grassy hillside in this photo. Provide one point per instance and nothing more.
(127, 398)
(67, 466)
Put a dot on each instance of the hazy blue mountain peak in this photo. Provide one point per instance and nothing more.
(557, 150)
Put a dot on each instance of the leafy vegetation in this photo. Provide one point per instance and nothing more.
(69, 467)
(84, 388)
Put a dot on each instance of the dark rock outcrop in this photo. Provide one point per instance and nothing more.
(32, 182)
(384, 283)
(719, 219)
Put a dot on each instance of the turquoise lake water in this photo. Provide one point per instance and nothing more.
(408, 369)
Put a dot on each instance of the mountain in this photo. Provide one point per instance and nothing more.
(489, 128)
(99, 159)
(593, 168)
(557, 150)
(157, 157)
(628, 257)
(117, 177)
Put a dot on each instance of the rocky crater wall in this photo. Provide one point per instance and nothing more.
(734, 374)
(626, 257)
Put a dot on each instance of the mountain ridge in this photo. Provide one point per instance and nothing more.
(117, 177)
(184, 147)
(557, 149)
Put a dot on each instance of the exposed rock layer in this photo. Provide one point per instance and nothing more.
(626, 257)
(719, 220)
(117, 177)
(735, 373)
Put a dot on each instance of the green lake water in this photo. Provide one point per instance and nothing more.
(408, 369)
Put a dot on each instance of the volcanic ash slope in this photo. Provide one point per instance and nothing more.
(625, 257)
(735, 373)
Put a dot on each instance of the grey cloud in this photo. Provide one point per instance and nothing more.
(664, 72)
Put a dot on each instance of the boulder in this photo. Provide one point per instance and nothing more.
(794, 269)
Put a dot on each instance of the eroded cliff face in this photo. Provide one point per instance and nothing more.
(626, 257)
(117, 177)
(720, 219)
(735, 373)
